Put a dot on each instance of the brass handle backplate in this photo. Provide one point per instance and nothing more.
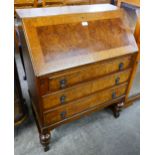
(62, 99)
(121, 66)
(63, 114)
(117, 80)
(113, 95)
(63, 83)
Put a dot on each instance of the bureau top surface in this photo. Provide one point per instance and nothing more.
(41, 12)
(62, 42)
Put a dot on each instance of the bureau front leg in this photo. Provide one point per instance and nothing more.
(117, 108)
(45, 140)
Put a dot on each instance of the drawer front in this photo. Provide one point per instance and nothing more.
(84, 89)
(62, 112)
(88, 73)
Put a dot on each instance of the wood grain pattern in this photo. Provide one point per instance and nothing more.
(81, 90)
(46, 3)
(76, 2)
(77, 39)
(85, 112)
(85, 103)
(32, 81)
(87, 73)
(71, 59)
(100, 1)
(25, 3)
(95, 57)
(137, 32)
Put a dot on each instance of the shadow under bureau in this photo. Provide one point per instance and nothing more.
(78, 59)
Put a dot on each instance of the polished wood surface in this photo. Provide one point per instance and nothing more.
(131, 2)
(96, 31)
(137, 31)
(86, 73)
(79, 2)
(81, 90)
(72, 44)
(25, 3)
(77, 62)
(77, 106)
(100, 1)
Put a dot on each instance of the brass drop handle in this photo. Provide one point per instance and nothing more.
(63, 83)
(117, 80)
(121, 66)
(62, 99)
(63, 114)
(113, 95)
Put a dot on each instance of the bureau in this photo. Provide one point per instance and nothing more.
(78, 60)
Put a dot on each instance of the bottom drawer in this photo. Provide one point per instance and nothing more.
(62, 112)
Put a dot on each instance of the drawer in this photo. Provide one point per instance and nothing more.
(62, 112)
(84, 89)
(69, 78)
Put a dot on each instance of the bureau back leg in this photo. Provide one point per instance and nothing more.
(117, 108)
(45, 140)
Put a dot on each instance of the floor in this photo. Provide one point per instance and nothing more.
(97, 134)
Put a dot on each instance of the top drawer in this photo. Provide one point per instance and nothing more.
(85, 73)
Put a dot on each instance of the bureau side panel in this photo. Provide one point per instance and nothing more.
(32, 81)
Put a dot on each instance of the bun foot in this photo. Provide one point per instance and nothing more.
(46, 148)
(116, 114)
(117, 108)
(45, 140)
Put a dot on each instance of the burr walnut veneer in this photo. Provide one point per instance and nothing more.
(79, 59)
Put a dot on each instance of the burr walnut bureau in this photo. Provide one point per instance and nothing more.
(78, 59)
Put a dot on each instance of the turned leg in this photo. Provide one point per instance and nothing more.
(45, 140)
(116, 108)
(44, 135)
